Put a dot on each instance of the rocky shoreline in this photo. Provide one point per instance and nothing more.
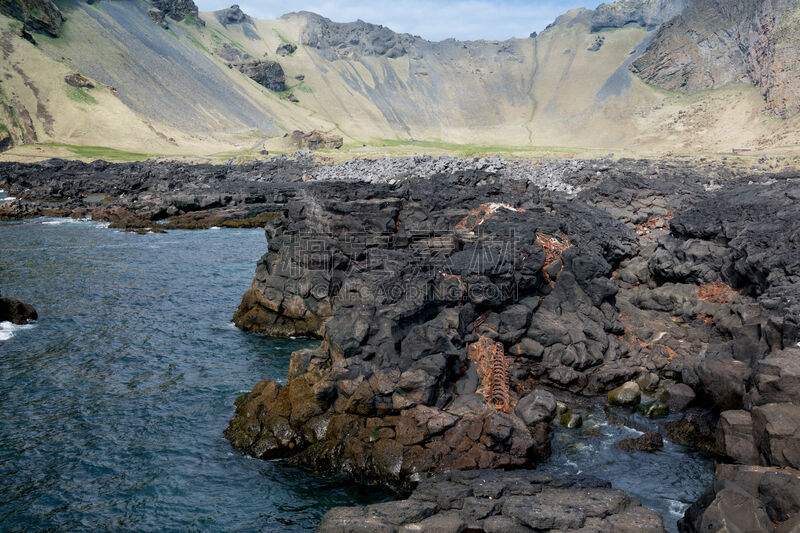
(453, 297)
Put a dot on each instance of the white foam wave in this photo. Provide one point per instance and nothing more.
(8, 199)
(65, 220)
(677, 508)
(8, 329)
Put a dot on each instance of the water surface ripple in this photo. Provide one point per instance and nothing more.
(114, 403)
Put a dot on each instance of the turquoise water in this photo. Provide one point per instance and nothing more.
(114, 403)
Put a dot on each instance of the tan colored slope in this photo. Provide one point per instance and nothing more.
(553, 91)
(40, 107)
(174, 96)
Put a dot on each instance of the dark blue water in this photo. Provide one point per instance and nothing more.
(666, 481)
(112, 406)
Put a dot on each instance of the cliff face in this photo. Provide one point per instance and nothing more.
(716, 42)
(37, 15)
(352, 40)
(647, 13)
(177, 9)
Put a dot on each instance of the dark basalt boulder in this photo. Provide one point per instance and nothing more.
(487, 500)
(16, 312)
(232, 15)
(232, 55)
(746, 498)
(265, 72)
(78, 81)
(648, 442)
(158, 16)
(286, 49)
(178, 9)
(41, 16)
(317, 140)
(6, 141)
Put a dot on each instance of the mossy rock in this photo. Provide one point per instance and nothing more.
(627, 394)
(571, 420)
(657, 409)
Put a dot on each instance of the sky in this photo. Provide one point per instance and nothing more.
(432, 19)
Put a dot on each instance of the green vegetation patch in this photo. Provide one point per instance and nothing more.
(99, 152)
(171, 32)
(198, 44)
(79, 95)
(283, 39)
(470, 150)
(191, 20)
(220, 38)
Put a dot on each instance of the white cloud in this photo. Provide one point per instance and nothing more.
(434, 20)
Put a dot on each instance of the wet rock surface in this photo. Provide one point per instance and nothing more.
(487, 500)
(16, 312)
(648, 442)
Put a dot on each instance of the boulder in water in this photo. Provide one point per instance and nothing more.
(627, 394)
(649, 442)
(16, 312)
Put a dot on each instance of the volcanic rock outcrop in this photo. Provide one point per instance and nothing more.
(647, 13)
(443, 301)
(232, 15)
(178, 9)
(37, 15)
(316, 140)
(351, 40)
(714, 43)
(454, 297)
(264, 72)
(488, 500)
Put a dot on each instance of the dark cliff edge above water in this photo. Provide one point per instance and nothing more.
(455, 301)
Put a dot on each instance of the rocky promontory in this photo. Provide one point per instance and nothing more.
(444, 302)
(455, 300)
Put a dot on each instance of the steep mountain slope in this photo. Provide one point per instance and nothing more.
(170, 82)
(716, 42)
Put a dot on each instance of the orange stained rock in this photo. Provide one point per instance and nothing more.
(717, 292)
(553, 249)
(483, 213)
(492, 366)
